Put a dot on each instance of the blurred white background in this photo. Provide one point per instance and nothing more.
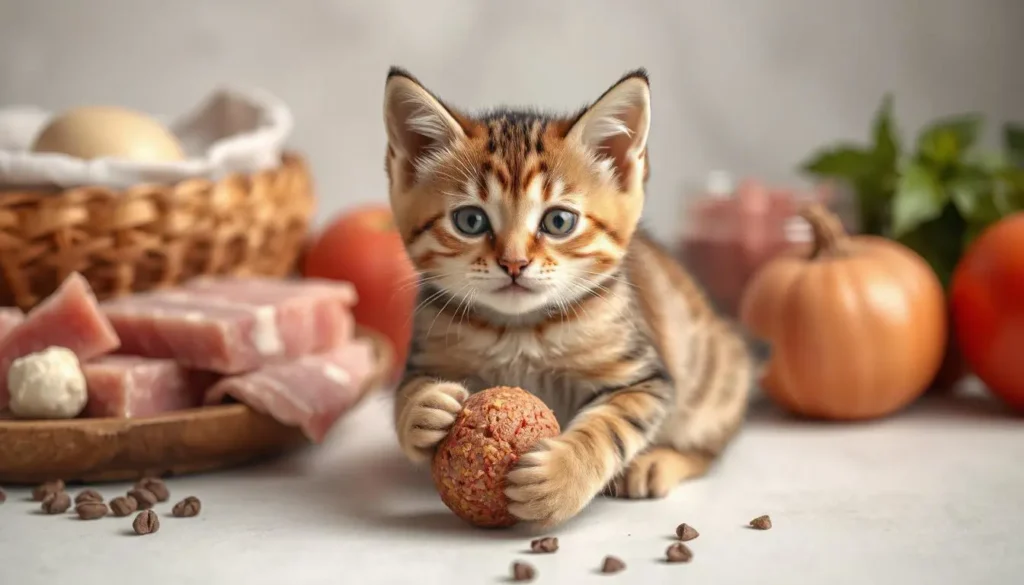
(746, 85)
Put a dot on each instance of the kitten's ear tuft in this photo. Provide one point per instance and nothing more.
(417, 123)
(615, 127)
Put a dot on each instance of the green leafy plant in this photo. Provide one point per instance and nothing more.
(935, 194)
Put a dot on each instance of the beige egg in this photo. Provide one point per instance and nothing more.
(101, 131)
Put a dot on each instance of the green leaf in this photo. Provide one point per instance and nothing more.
(1013, 136)
(841, 162)
(887, 145)
(919, 199)
(943, 142)
(939, 242)
(971, 191)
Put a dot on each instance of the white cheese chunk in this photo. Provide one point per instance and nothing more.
(48, 384)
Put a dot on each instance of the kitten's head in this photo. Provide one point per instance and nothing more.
(516, 211)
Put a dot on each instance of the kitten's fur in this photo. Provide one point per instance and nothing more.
(648, 383)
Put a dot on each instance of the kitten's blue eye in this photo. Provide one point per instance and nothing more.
(558, 222)
(471, 221)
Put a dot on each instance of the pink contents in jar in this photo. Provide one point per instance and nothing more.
(729, 233)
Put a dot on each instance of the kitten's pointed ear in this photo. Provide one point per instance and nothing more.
(417, 122)
(615, 127)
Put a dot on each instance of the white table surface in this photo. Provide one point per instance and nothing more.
(935, 495)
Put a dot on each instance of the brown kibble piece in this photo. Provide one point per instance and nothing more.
(523, 572)
(88, 496)
(91, 510)
(155, 486)
(56, 503)
(122, 506)
(187, 508)
(548, 544)
(146, 522)
(686, 532)
(44, 489)
(612, 565)
(144, 498)
(678, 553)
(761, 523)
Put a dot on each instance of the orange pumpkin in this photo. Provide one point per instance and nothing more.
(858, 324)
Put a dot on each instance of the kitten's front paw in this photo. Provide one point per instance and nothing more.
(427, 417)
(546, 486)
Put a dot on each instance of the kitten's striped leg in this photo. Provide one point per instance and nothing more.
(556, 480)
(425, 409)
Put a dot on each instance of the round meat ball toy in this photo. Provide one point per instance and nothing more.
(496, 426)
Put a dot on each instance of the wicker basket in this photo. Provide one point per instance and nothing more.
(150, 236)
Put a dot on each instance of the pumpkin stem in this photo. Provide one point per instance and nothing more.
(826, 228)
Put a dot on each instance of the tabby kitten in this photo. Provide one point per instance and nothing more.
(523, 227)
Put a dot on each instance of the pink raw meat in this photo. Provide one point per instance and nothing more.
(9, 317)
(125, 386)
(69, 318)
(311, 392)
(233, 325)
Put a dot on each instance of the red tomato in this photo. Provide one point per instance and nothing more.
(987, 296)
(363, 246)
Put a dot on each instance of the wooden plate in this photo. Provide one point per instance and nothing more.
(188, 441)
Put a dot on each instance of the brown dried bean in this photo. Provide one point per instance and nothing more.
(761, 523)
(686, 532)
(548, 544)
(187, 508)
(612, 565)
(156, 486)
(44, 489)
(122, 506)
(56, 503)
(678, 553)
(91, 510)
(143, 497)
(88, 496)
(523, 572)
(146, 522)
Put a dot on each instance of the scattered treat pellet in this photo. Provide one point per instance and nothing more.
(91, 510)
(761, 523)
(3, 496)
(548, 544)
(44, 489)
(146, 522)
(187, 508)
(155, 486)
(123, 506)
(56, 503)
(88, 496)
(523, 571)
(686, 532)
(144, 498)
(678, 553)
(612, 565)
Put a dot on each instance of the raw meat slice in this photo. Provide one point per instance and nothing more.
(232, 326)
(9, 317)
(311, 392)
(70, 318)
(311, 315)
(125, 386)
(256, 289)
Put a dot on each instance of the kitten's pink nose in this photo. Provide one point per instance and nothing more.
(513, 266)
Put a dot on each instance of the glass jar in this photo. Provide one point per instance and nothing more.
(729, 229)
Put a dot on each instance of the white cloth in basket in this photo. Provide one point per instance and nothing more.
(232, 130)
